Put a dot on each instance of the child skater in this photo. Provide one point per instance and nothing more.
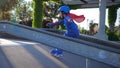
(71, 27)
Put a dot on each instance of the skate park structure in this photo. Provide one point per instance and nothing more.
(93, 48)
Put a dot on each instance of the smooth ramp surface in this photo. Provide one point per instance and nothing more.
(17, 52)
(21, 53)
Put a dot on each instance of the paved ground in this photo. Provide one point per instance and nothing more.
(16, 52)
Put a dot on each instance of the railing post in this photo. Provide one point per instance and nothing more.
(101, 32)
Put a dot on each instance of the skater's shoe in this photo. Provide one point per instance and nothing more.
(53, 51)
(59, 53)
(56, 52)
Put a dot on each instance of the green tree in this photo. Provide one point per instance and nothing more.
(112, 14)
(5, 7)
(112, 17)
(37, 14)
(22, 11)
(50, 9)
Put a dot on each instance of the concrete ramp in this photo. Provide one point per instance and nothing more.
(16, 52)
(92, 48)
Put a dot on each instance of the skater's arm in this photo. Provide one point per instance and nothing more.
(56, 23)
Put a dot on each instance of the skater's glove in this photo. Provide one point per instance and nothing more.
(50, 24)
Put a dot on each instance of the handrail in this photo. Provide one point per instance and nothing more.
(105, 43)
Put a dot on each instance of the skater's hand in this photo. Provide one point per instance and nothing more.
(50, 24)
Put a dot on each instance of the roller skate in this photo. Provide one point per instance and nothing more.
(56, 52)
(59, 53)
(53, 52)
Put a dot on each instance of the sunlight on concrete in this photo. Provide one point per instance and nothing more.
(19, 56)
(6, 42)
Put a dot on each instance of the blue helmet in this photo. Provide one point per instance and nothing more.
(64, 9)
